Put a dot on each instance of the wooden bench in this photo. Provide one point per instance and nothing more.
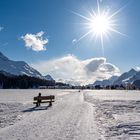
(44, 99)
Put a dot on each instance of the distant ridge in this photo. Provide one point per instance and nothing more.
(106, 82)
(48, 77)
(126, 78)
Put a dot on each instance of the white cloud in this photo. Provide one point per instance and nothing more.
(1, 28)
(92, 65)
(36, 42)
(75, 71)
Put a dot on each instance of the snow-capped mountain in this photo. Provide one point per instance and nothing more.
(113, 79)
(48, 77)
(125, 77)
(134, 78)
(106, 82)
(17, 67)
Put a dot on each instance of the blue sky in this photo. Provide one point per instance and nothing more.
(61, 26)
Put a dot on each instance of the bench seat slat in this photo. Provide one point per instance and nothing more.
(44, 102)
(45, 97)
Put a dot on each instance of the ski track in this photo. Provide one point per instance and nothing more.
(70, 118)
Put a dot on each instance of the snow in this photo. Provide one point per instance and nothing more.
(48, 77)
(17, 67)
(126, 76)
(117, 113)
(85, 115)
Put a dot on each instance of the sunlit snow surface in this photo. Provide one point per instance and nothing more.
(85, 115)
(117, 113)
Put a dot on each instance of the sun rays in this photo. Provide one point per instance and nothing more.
(100, 24)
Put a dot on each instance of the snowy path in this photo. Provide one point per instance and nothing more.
(88, 115)
(70, 118)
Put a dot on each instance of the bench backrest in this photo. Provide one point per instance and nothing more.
(45, 97)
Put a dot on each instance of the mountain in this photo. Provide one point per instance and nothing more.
(113, 79)
(136, 83)
(125, 77)
(48, 77)
(6, 73)
(129, 77)
(134, 78)
(101, 83)
(106, 82)
(17, 67)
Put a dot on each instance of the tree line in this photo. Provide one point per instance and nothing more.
(23, 82)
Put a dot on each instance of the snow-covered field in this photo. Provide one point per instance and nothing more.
(85, 115)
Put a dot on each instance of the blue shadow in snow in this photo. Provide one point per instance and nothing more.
(36, 109)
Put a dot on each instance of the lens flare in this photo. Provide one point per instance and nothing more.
(100, 24)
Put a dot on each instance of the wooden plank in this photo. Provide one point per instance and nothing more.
(45, 97)
(44, 102)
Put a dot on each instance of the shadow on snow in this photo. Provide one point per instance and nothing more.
(36, 108)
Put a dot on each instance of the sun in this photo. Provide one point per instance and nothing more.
(100, 24)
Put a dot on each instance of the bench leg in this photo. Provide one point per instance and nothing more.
(50, 103)
(37, 104)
